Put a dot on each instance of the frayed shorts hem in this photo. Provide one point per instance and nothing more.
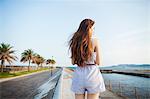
(94, 92)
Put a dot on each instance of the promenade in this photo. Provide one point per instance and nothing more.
(28, 86)
(68, 94)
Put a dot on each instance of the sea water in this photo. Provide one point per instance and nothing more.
(128, 84)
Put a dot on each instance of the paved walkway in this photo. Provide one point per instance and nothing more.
(68, 94)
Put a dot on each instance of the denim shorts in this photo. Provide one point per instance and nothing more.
(88, 78)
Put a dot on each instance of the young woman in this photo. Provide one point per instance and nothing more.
(85, 53)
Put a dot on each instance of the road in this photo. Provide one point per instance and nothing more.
(25, 87)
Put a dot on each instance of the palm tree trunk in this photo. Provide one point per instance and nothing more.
(38, 67)
(2, 65)
(29, 65)
(51, 71)
(41, 66)
(50, 67)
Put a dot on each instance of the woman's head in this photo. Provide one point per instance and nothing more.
(80, 44)
(85, 27)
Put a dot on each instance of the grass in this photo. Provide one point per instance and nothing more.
(8, 75)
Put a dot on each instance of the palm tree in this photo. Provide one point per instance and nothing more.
(50, 61)
(42, 60)
(39, 60)
(27, 55)
(35, 59)
(6, 54)
(53, 62)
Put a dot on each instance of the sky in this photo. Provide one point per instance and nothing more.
(45, 26)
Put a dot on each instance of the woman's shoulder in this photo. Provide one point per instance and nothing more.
(95, 39)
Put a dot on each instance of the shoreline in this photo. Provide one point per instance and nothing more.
(131, 72)
(140, 73)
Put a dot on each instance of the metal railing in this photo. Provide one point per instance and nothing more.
(127, 91)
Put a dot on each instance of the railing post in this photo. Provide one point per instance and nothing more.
(109, 85)
(136, 96)
(120, 89)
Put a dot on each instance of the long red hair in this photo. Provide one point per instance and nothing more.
(80, 44)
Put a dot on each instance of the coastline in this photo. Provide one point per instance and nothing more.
(140, 73)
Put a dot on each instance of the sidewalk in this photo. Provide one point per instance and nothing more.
(68, 94)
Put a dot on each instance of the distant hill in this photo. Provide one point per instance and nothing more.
(128, 67)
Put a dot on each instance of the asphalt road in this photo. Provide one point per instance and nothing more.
(25, 87)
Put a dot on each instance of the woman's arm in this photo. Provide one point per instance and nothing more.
(97, 49)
